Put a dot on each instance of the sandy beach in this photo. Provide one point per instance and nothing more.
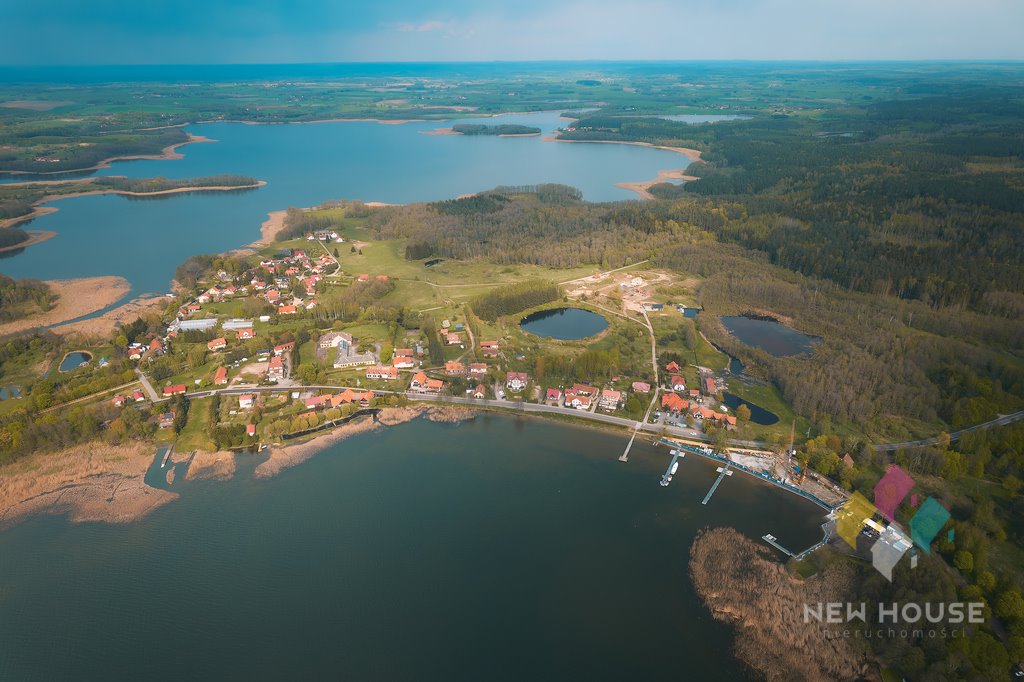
(91, 482)
(76, 297)
(643, 188)
(34, 236)
(439, 131)
(269, 229)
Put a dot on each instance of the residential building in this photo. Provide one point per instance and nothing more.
(245, 334)
(609, 399)
(553, 395)
(335, 340)
(247, 401)
(166, 420)
(177, 389)
(641, 387)
(220, 377)
(480, 392)
(477, 369)
(283, 348)
(217, 344)
(673, 403)
(516, 381)
(275, 370)
(382, 372)
(454, 368)
(677, 383)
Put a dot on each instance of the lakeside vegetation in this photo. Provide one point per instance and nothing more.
(503, 129)
(20, 298)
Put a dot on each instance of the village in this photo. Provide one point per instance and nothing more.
(255, 336)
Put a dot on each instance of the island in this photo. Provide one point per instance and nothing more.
(504, 130)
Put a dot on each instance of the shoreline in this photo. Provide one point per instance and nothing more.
(167, 154)
(642, 189)
(76, 298)
(103, 482)
(39, 210)
(35, 237)
(101, 325)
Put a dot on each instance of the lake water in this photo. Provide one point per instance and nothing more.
(410, 553)
(768, 335)
(74, 360)
(565, 324)
(304, 165)
(758, 414)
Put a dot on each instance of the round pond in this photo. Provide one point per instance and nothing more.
(564, 324)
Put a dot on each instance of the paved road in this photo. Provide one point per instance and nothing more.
(955, 435)
(520, 406)
(148, 387)
(91, 396)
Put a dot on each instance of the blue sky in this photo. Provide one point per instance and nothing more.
(271, 31)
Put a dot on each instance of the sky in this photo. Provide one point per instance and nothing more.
(281, 31)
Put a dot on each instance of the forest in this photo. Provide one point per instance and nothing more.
(504, 129)
(20, 298)
(512, 299)
(909, 197)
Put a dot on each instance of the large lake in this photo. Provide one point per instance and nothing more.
(410, 553)
(304, 165)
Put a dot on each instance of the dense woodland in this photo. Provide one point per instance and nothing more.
(504, 129)
(19, 298)
(512, 299)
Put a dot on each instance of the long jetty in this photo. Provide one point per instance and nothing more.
(724, 471)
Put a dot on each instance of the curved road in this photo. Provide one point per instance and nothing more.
(955, 435)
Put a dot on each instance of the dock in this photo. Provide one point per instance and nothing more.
(625, 454)
(770, 539)
(672, 466)
(723, 472)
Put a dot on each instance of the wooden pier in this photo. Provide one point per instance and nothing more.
(770, 539)
(667, 478)
(724, 471)
(625, 454)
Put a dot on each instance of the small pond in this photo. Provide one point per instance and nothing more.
(565, 324)
(735, 366)
(8, 392)
(74, 360)
(768, 335)
(690, 312)
(758, 414)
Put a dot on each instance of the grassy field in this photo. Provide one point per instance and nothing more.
(194, 436)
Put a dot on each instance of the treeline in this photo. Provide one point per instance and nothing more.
(88, 149)
(513, 298)
(161, 184)
(20, 298)
(12, 236)
(298, 223)
(504, 129)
